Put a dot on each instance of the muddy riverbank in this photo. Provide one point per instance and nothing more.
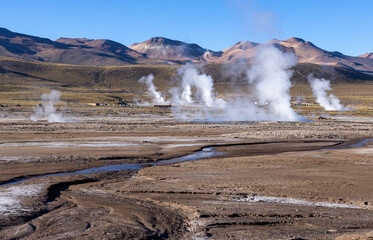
(267, 184)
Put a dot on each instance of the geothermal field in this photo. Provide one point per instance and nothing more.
(258, 158)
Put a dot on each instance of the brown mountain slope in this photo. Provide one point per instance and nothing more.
(309, 53)
(167, 49)
(239, 51)
(367, 55)
(24, 46)
(159, 50)
(305, 51)
(104, 45)
(84, 52)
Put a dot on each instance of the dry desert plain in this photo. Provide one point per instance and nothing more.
(127, 177)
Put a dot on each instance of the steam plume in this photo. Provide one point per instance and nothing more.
(46, 109)
(203, 85)
(152, 90)
(270, 75)
(269, 78)
(319, 90)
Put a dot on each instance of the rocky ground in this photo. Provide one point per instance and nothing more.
(276, 180)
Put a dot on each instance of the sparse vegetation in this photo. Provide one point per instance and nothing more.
(23, 81)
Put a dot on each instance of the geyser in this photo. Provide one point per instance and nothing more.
(47, 110)
(152, 90)
(270, 75)
(203, 85)
(268, 78)
(319, 90)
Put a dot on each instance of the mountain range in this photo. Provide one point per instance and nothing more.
(159, 50)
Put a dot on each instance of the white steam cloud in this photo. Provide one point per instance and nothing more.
(319, 90)
(152, 90)
(46, 109)
(271, 78)
(203, 85)
(268, 78)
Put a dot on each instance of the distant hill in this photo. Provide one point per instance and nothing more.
(305, 51)
(167, 49)
(309, 53)
(64, 50)
(239, 51)
(160, 51)
(367, 55)
(104, 45)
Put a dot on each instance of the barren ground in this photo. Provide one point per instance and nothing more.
(276, 180)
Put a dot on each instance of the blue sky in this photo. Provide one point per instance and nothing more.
(334, 25)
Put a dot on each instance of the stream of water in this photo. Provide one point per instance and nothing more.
(203, 153)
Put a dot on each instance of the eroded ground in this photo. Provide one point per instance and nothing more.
(276, 180)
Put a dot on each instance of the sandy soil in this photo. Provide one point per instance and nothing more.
(276, 180)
